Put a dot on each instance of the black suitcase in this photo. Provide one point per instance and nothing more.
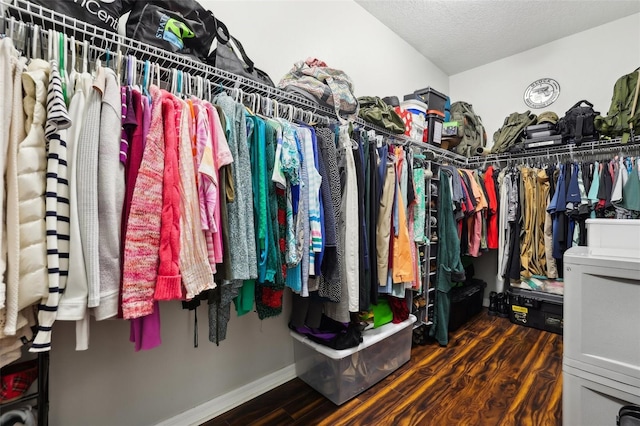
(539, 128)
(542, 134)
(543, 141)
(536, 309)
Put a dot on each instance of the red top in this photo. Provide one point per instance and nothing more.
(492, 211)
(168, 286)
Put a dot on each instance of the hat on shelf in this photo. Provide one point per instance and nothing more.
(391, 101)
(548, 117)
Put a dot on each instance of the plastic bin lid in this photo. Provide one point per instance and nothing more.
(414, 104)
(369, 338)
(583, 256)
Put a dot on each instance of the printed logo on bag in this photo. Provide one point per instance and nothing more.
(95, 8)
(541, 93)
(174, 31)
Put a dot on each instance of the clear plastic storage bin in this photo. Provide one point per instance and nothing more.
(341, 375)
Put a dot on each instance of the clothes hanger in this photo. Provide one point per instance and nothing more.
(49, 44)
(34, 40)
(107, 58)
(200, 87)
(118, 64)
(174, 81)
(291, 111)
(85, 49)
(207, 85)
(188, 85)
(63, 69)
(73, 73)
(153, 70)
(157, 73)
(145, 78)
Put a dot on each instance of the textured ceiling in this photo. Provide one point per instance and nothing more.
(457, 35)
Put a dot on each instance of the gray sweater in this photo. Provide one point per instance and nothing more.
(87, 181)
(110, 198)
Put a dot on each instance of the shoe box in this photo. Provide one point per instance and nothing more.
(466, 302)
(536, 309)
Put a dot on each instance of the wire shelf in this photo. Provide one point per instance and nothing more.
(599, 147)
(104, 40)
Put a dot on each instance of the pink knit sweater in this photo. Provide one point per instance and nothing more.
(142, 242)
(168, 285)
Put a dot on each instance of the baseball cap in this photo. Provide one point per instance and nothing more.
(548, 117)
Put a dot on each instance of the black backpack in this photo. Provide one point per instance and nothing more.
(629, 415)
(577, 124)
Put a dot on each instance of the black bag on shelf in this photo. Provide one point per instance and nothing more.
(185, 27)
(102, 14)
(226, 58)
(577, 124)
(177, 26)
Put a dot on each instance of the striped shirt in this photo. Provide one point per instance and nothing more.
(57, 209)
(313, 194)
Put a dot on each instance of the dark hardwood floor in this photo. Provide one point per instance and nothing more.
(492, 373)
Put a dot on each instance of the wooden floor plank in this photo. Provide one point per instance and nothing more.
(483, 374)
(538, 394)
(303, 401)
(491, 373)
(505, 378)
(262, 405)
(276, 417)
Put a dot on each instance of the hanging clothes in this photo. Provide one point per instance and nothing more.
(111, 190)
(492, 208)
(141, 252)
(349, 226)
(57, 209)
(450, 267)
(27, 282)
(194, 263)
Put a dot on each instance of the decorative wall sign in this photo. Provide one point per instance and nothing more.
(541, 93)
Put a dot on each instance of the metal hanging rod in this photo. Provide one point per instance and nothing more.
(598, 147)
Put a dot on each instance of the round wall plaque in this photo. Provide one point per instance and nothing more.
(541, 93)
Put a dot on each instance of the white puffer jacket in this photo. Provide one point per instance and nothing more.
(28, 276)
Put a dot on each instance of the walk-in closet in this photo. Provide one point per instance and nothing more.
(344, 212)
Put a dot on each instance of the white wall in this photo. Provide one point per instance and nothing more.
(340, 32)
(110, 384)
(586, 65)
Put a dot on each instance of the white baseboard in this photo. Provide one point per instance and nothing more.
(213, 408)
